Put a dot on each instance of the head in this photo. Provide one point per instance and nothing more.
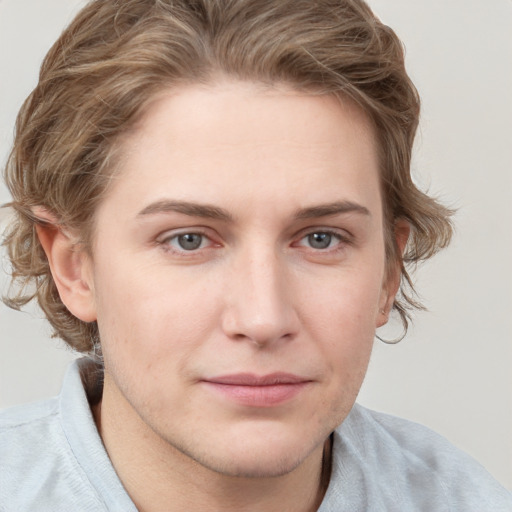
(106, 82)
(117, 56)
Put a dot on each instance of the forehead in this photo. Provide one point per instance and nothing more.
(219, 142)
(247, 113)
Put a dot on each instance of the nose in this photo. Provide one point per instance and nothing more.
(259, 300)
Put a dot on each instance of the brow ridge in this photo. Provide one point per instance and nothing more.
(186, 208)
(217, 213)
(330, 209)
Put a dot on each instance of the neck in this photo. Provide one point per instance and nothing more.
(159, 477)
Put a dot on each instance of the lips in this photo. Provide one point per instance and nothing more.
(258, 391)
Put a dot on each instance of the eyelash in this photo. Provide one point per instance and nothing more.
(165, 243)
(342, 240)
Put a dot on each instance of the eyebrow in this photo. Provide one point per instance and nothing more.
(214, 212)
(187, 208)
(329, 209)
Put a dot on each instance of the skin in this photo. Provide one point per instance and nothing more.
(260, 293)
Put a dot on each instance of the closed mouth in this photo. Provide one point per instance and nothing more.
(252, 390)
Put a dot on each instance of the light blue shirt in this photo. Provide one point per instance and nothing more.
(52, 459)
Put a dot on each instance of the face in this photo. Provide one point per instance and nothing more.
(238, 272)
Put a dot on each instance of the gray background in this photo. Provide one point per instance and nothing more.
(453, 371)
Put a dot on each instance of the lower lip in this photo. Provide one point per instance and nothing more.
(258, 396)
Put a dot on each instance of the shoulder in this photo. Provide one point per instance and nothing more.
(28, 430)
(402, 462)
(418, 445)
(15, 417)
(38, 469)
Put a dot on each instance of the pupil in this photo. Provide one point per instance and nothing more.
(319, 240)
(190, 241)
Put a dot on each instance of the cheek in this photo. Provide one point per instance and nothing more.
(348, 300)
(147, 316)
(341, 318)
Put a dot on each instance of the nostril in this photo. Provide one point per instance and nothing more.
(258, 305)
(240, 326)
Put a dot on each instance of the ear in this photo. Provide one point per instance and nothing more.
(394, 274)
(70, 266)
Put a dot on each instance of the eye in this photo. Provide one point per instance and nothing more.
(189, 241)
(321, 240)
(186, 242)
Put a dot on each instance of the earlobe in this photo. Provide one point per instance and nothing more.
(69, 265)
(390, 289)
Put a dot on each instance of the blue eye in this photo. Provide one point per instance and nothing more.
(320, 240)
(190, 241)
(187, 241)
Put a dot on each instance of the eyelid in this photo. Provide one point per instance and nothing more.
(172, 233)
(163, 240)
(342, 234)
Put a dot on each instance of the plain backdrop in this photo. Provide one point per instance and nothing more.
(453, 370)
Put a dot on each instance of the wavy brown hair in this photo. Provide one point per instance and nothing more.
(117, 54)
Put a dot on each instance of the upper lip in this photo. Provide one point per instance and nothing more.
(251, 379)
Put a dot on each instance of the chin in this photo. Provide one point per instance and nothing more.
(262, 465)
(256, 453)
